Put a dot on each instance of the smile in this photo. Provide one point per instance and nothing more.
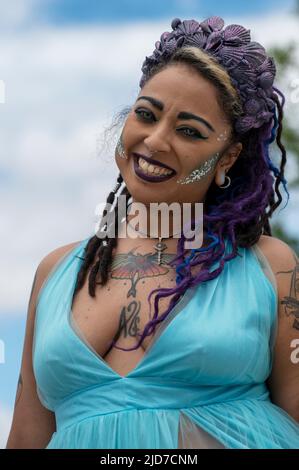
(151, 172)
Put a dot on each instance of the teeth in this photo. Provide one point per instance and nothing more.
(152, 169)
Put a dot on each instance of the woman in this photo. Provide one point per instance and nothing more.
(214, 363)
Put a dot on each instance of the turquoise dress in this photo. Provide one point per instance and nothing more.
(200, 384)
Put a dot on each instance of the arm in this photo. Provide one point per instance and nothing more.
(283, 381)
(33, 424)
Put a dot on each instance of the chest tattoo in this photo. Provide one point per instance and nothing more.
(135, 267)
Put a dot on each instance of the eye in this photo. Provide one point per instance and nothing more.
(139, 112)
(196, 135)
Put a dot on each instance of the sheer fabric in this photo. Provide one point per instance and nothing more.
(200, 384)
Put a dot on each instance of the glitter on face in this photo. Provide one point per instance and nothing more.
(120, 148)
(200, 172)
(222, 137)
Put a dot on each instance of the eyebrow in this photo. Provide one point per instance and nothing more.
(182, 115)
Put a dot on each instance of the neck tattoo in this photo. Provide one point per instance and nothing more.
(159, 246)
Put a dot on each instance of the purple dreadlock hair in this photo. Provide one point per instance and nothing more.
(243, 75)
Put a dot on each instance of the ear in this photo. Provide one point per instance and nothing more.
(226, 162)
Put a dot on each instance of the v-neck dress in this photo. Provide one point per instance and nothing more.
(200, 384)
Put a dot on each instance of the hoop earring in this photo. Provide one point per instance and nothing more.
(228, 184)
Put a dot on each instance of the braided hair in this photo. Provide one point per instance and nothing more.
(241, 212)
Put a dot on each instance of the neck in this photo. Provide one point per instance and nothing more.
(159, 225)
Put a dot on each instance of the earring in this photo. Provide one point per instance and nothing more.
(223, 179)
(120, 148)
(200, 172)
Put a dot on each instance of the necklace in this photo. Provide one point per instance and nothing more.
(160, 246)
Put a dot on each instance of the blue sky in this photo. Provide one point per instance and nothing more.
(15, 328)
(80, 11)
(62, 88)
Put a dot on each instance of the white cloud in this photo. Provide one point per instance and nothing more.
(62, 87)
(17, 13)
(5, 424)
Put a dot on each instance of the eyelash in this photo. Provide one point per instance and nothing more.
(197, 134)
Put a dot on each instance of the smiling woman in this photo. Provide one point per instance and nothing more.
(161, 125)
(209, 368)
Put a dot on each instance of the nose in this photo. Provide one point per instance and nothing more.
(157, 140)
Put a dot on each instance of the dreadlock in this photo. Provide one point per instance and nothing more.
(238, 213)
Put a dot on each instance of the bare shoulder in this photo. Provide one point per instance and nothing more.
(279, 254)
(283, 381)
(33, 424)
(273, 244)
(52, 258)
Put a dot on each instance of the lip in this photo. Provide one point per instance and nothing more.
(154, 162)
(150, 178)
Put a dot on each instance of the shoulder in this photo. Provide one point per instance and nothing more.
(274, 247)
(48, 262)
(281, 257)
(43, 270)
(50, 259)
(283, 381)
(33, 424)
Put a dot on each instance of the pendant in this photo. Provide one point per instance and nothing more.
(160, 247)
